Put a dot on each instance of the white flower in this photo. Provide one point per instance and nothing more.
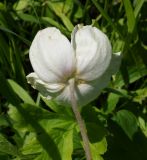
(88, 59)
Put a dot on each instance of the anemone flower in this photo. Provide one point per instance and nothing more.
(88, 60)
(72, 73)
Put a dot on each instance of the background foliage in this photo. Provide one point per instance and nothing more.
(32, 128)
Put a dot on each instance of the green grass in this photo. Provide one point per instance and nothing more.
(33, 128)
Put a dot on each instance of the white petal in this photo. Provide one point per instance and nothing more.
(83, 93)
(52, 56)
(93, 52)
(46, 89)
(86, 92)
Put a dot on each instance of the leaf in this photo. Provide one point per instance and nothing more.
(19, 122)
(6, 90)
(53, 132)
(6, 146)
(143, 125)
(120, 147)
(64, 141)
(67, 145)
(20, 5)
(31, 145)
(111, 102)
(138, 6)
(135, 73)
(96, 132)
(113, 99)
(2, 6)
(68, 6)
(141, 95)
(5, 56)
(28, 117)
(28, 17)
(58, 108)
(58, 10)
(43, 156)
(52, 105)
(106, 16)
(96, 147)
(130, 15)
(98, 143)
(3, 121)
(103, 12)
(21, 92)
(27, 42)
(67, 22)
(127, 121)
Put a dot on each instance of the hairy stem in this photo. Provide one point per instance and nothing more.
(80, 121)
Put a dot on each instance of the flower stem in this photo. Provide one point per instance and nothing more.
(80, 121)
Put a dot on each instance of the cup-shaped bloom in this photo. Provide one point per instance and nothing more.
(88, 59)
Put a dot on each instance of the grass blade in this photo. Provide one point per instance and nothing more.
(130, 15)
(21, 92)
(138, 6)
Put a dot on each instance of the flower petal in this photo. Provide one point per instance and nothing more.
(52, 56)
(47, 90)
(86, 92)
(83, 93)
(93, 52)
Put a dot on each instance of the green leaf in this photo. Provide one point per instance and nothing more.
(135, 73)
(64, 141)
(130, 15)
(67, 22)
(68, 6)
(2, 28)
(95, 130)
(141, 95)
(21, 92)
(19, 122)
(3, 121)
(107, 17)
(103, 12)
(98, 143)
(127, 121)
(55, 131)
(143, 125)
(67, 145)
(20, 5)
(6, 90)
(58, 108)
(6, 146)
(138, 6)
(31, 145)
(57, 8)
(111, 102)
(2, 6)
(43, 156)
(28, 117)
(113, 99)
(102, 146)
(52, 105)
(28, 17)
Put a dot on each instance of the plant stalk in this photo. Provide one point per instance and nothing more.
(80, 121)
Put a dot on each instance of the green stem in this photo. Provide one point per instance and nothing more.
(80, 121)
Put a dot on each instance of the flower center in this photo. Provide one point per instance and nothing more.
(76, 79)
